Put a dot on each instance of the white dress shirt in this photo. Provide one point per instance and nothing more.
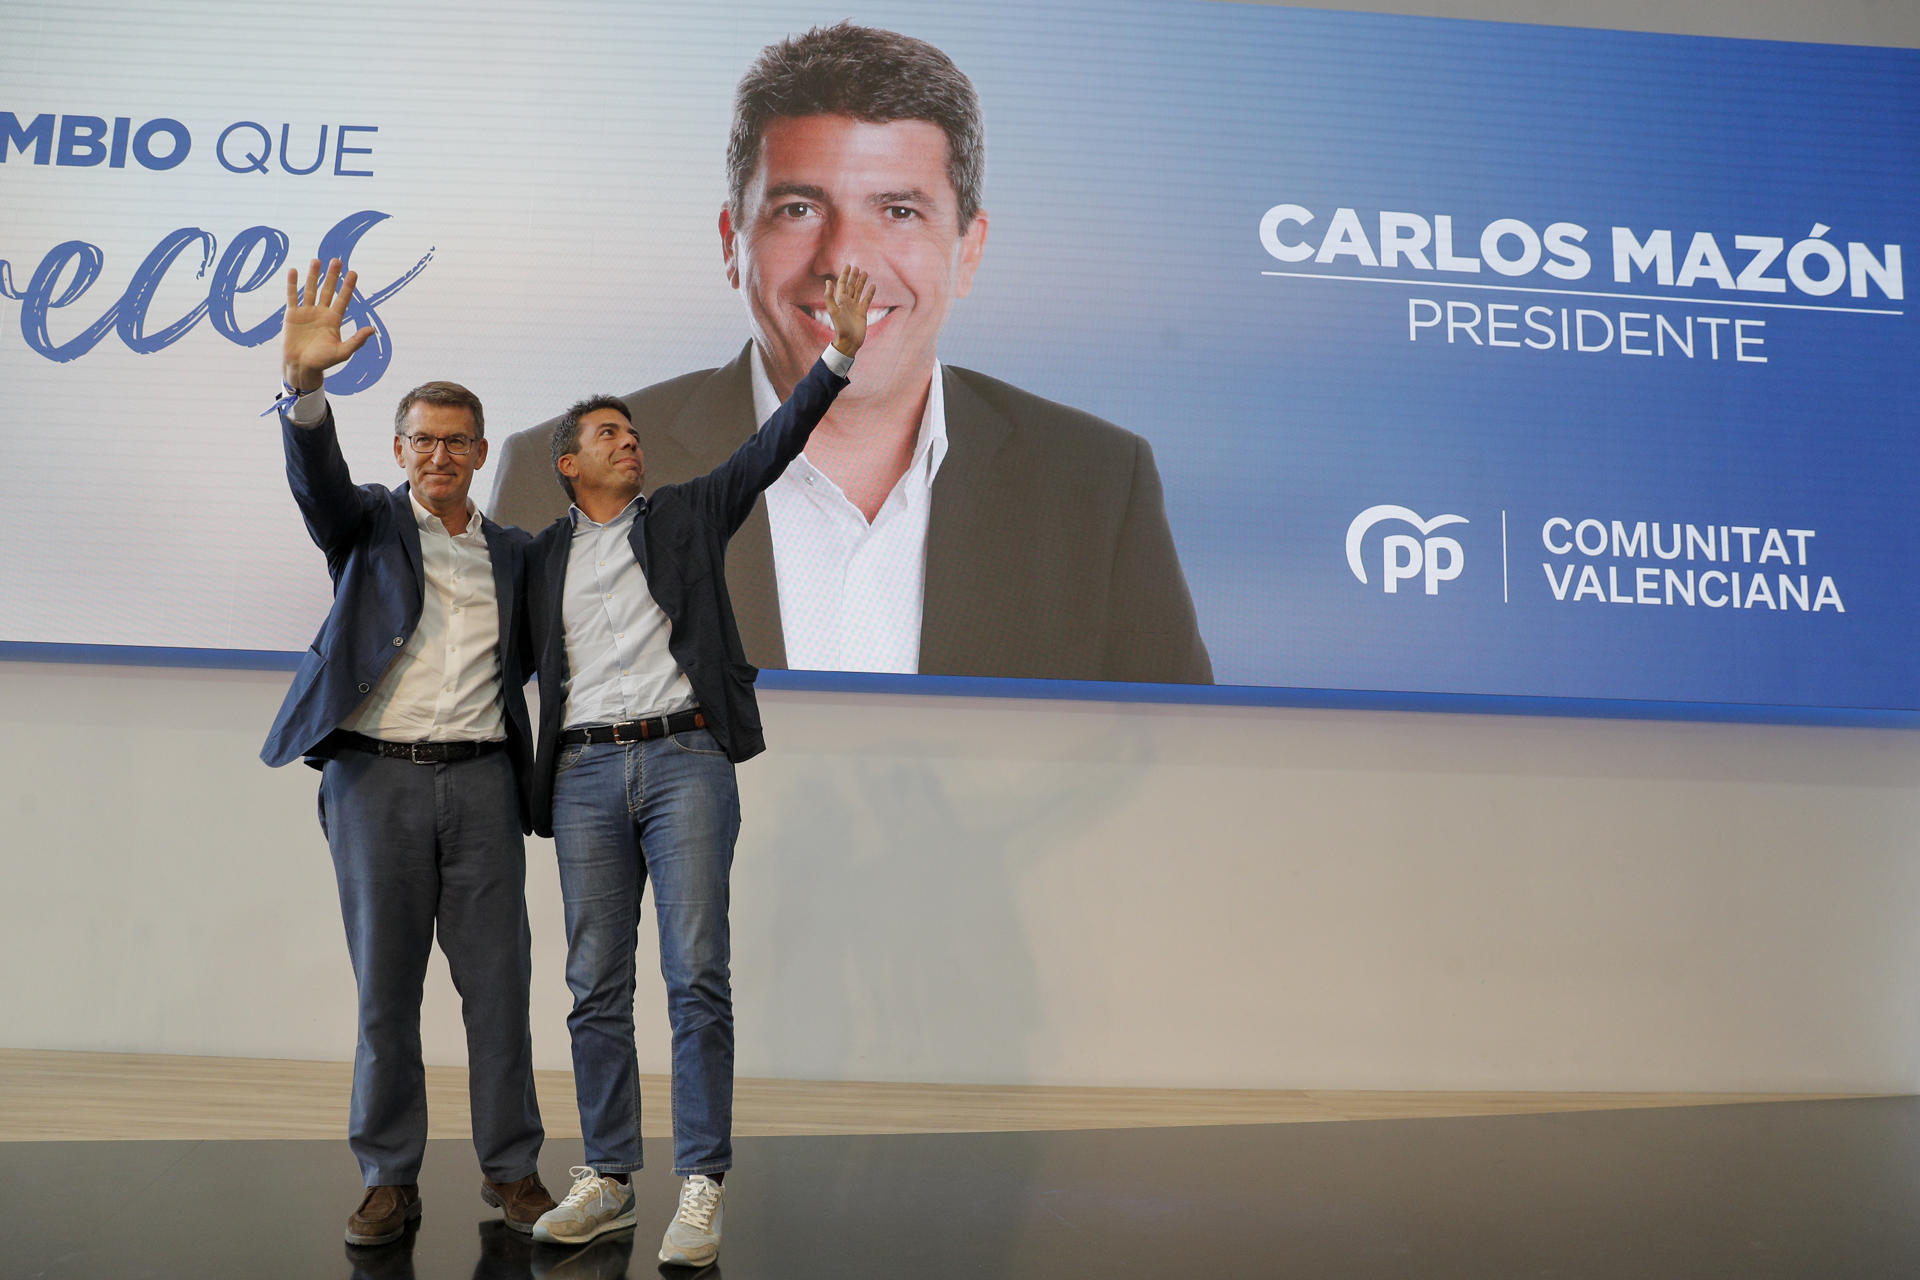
(851, 592)
(444, 686)
(618, 664)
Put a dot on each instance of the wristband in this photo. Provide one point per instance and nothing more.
(290, 394)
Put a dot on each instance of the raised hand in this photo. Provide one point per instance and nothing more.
(310, 341)
(848, 298)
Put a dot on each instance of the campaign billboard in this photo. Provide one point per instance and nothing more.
(1252, 354)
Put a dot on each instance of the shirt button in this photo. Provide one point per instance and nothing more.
(620, 635)
(456, 608)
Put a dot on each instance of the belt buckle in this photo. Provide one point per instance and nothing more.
(619, 741)
(413, 752)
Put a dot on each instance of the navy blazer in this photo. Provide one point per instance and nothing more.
(372, 545)
(680, 541)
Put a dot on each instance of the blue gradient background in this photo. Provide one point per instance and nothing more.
(1280, 408)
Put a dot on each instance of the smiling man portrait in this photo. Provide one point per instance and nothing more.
(940, 520)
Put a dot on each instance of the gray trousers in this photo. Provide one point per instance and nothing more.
(419, 848)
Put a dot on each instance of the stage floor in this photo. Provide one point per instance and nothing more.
(1807, 1189)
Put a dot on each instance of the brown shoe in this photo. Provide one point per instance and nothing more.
(521, 1202)
(383, 1214)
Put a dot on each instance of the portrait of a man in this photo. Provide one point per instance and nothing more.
(941, 521)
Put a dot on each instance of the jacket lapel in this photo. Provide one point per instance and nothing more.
(637, 539)
(409, 533)
(972, 537)
(500, 555)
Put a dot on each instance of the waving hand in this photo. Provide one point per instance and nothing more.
(310, 341)
(848, 297)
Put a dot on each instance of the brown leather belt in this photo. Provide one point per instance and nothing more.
(637, 730)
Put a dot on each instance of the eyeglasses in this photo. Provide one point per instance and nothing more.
(458, 446)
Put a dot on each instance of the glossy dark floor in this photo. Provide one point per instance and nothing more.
(1814, 1189)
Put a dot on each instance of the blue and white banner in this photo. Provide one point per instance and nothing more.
(1452, 358)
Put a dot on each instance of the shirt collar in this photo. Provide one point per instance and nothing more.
(431, 523)
(929, 447)
(627, 513)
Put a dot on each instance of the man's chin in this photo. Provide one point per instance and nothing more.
(796, 361)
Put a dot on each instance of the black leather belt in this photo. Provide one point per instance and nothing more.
(637, 730)
(418, 752)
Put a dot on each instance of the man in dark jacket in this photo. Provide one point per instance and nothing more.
(410, 702)
(646, 704)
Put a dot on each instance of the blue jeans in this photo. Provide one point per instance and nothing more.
(668, 809)
(419, 848)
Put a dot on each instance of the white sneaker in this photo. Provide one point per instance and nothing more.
(595, 1206)
(693, 1237)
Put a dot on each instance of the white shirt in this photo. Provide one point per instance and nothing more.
(851, 593)
(444, 686)
(618, 664)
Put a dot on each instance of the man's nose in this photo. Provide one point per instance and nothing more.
(842, 240)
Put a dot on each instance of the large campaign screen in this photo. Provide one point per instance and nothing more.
(1220, 351)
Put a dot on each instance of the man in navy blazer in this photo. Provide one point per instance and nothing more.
(646, 704)
(410, 703)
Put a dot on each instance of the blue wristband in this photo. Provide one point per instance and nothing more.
(287, 397)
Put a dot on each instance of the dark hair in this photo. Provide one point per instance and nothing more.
(866, 73)
(566, 432)
(450, 394)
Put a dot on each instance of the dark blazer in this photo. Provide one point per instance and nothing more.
(680, 541)
(373, 554)
(1048, 552)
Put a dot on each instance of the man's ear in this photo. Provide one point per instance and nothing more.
(480, 453)
(399, 443)
(729, 249)
(972, 245)
(569, 466)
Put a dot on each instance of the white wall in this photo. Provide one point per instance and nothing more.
(962, 889)
(984, 890)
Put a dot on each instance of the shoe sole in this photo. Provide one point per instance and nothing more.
(412, 1214)
(513, 1223)
(624, 1222)
(705, 1259)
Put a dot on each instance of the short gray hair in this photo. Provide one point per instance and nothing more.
(450, 394)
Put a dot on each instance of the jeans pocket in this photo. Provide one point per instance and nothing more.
(569, 757)
(697, 742)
